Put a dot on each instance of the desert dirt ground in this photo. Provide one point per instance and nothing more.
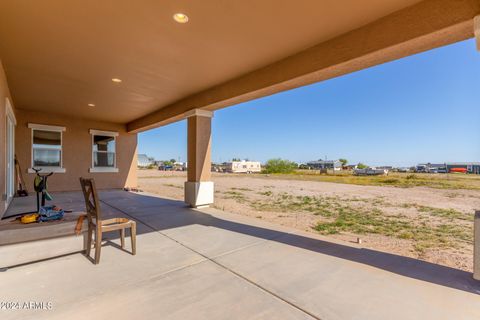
(431, 224)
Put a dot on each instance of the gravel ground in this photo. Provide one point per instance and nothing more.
(254, 195)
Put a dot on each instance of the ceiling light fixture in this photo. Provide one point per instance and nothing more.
(116, 80)
(91, 105)
(180, 17)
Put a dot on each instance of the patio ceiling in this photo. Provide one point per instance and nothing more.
(60, 56)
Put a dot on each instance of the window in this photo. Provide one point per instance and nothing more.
(103, 151)
(46, 148)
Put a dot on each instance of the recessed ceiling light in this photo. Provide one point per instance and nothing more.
(180, 17)
(91, 105)
(116, 80)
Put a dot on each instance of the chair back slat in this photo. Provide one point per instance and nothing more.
(91, 199)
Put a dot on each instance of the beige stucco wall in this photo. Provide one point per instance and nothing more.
(4, 93)
(77, 151)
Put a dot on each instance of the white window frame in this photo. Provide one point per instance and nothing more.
(94, 169)
(10, 163)
(44, 127)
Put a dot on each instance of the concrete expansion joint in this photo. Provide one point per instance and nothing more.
(206, 258)
(256, 243)
(165, 273)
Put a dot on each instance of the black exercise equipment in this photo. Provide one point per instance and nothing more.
(40, 186)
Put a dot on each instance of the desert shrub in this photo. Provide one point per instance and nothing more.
(361, 166)
(279, 166)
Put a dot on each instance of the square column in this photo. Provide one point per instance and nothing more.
(198, 187)
(476, 246)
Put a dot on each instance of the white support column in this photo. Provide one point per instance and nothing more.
(199, 190)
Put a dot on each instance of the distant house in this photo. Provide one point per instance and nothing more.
(143, 161)
(243, 166)
(325, 164)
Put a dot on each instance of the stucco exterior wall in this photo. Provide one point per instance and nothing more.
(4, 93)
(77, 152)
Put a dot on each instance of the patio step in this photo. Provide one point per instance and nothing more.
(25, 243)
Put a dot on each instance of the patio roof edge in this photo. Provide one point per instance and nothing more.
(421, 27)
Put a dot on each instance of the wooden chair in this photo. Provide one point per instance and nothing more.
(99, 226)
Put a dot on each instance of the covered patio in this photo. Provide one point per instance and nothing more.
(80, 79)
(210, 264)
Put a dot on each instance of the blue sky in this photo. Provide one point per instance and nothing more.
(423, 108)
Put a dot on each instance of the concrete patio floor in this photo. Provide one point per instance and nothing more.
(210, 264)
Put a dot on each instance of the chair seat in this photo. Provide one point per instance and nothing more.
(115, 224)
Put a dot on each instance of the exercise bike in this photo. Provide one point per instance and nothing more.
(40, 187)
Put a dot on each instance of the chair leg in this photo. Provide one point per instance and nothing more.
(122, 238)
(89, 241)
(133, 236)
(98, 245)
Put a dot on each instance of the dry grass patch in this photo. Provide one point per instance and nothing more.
(346, 216)
(396, 179)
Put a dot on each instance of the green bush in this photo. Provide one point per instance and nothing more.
(280, 166)
(361, 166)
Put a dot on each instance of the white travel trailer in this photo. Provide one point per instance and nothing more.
(244, 166)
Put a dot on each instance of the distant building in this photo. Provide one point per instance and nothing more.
(303, 166)
(179, 166)
(471, 167)
(219, 167)
(143, 161)
(243, 166)
(325, 164)
(389, 168)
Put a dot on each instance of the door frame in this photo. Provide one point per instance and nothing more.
(10, 124)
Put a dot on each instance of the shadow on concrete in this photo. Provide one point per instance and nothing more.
(157, 214)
